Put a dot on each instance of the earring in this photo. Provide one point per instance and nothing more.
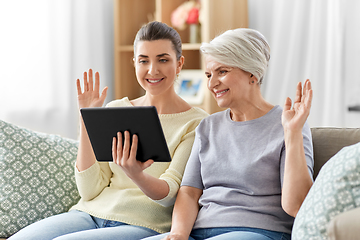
(251, 75)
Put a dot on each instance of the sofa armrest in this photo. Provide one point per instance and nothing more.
(345, 226)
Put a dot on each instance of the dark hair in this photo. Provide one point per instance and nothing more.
(157, 31)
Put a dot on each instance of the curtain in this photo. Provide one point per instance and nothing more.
(312, 39)
(45, 46)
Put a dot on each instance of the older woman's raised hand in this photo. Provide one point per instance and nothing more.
(90, 97)
(293, 118)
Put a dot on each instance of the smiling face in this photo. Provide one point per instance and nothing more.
(228, 85)
(156, 66)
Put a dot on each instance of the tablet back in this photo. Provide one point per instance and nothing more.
(102, 124)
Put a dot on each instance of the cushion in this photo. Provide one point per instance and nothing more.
(335, 190)
(36, 176)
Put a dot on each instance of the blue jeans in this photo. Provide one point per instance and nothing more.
(77, 225)
(229, 233)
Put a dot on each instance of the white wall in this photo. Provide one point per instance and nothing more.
(264, 15)
(44, 47)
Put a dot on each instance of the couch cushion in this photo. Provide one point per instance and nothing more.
(327, 141)
(36, 176)
(335, 190)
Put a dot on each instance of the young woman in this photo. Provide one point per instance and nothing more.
(128, 199)
(251, 165)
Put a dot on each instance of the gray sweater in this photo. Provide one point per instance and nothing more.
(240, 168)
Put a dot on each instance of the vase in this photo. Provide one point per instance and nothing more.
(194, 33)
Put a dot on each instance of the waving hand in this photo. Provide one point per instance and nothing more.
(90, 97)
(293, 119)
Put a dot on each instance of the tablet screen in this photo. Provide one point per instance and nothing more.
(102, 124)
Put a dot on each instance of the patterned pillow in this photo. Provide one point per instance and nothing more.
(36, 176)
(335, 190)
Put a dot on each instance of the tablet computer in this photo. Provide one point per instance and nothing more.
(102, 124)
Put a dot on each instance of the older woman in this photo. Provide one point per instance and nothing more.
(251, 165)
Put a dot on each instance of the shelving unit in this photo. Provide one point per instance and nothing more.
(130, 15)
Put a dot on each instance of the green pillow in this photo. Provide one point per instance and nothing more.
(36, 176)
(335, 190)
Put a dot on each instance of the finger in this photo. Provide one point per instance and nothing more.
(86, 85)
(91, 82)
(126, 147)
(114, 150)
(309, 93)
(287, 105)
(309, 98)
(306, 88)
(148, 163)
(78, 86)
(134, 147)
(119, 146)
(97, 82)
(298, 93)
(103, 94)
(307, 85)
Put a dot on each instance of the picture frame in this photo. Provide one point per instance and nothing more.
(190, 86)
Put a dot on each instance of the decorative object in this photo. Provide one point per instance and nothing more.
(37, 177)
(190, 86)
(336, 190)
(188, 14)
(194, 33)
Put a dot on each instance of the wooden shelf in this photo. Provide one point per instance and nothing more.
(130, 15)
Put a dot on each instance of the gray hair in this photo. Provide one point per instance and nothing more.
(242, 48)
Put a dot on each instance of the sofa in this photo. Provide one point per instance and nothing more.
(37, 176)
